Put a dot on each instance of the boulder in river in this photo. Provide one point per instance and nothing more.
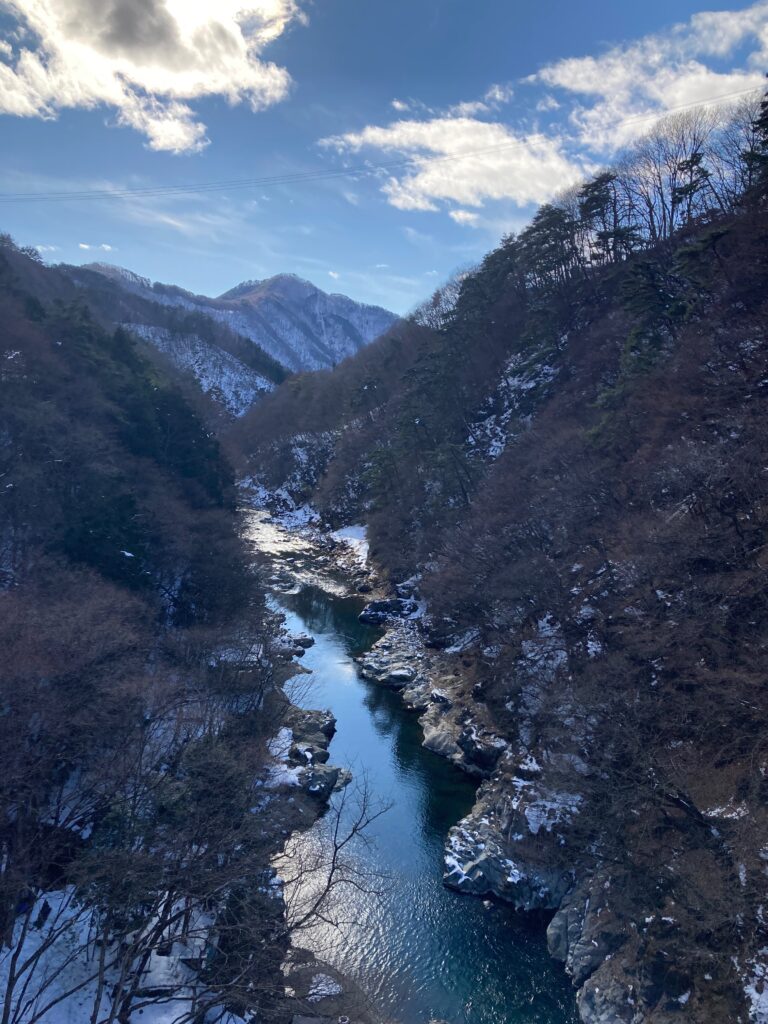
(476, 863)
(306, 724)
(303, 640)
(381, 669)
(320, 780)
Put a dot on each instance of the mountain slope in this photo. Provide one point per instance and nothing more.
(229, 368)
(295, 323)
(146, 783)
(571, 469)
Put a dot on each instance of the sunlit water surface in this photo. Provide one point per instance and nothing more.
(417, 949)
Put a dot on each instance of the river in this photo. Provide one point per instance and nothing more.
(418, 950)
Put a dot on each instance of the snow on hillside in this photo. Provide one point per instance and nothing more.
(299, 325)
(507, 410)
(356, 538)
(130, 281)
(220, 374)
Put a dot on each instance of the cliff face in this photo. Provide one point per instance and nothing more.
(573, 479)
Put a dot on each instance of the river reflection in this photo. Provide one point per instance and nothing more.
(419, 950)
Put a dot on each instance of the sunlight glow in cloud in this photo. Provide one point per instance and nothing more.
(144, 59)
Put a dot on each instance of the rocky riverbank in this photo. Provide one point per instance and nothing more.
(441, 686)
(522, 841)
(314, 991)
(527, 839)
(300, 773)
(518, 801)
(295, 553)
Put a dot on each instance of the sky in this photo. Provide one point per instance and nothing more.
(416, 132)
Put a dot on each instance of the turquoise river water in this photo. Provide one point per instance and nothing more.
(419, 951)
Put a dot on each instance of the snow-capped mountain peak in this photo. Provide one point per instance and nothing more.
(291, 319)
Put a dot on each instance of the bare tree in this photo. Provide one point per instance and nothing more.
(320, 869)
(437, 312)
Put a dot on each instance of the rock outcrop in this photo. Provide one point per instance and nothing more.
(311, 731)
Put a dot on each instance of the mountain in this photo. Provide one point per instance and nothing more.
(140, 794)
(295, 323)
(201, 353)
(565, 463)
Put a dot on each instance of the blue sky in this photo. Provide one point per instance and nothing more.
(479, 108)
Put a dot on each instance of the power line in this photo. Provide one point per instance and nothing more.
(299, 177)
(364, 170)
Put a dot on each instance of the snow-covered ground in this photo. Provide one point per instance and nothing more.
(279, 773)
(508, 409)
(756, 989)
(356, 538)
(57, 971)
(323, 986)
(220, 375)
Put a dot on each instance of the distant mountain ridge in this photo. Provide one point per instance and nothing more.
(230, 369)
(293, 321)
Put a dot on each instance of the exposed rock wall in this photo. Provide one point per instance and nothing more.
(628, 949)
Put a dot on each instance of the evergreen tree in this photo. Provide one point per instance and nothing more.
(757, 157)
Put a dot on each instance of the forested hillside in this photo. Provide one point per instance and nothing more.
(231, 369)
(135, 689)
(566, 449)
(283, 321)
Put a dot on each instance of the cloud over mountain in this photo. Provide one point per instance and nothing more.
(465, 160)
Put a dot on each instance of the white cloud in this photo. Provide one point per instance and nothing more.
(498, 94)
(47, 248)
(101, 248)
(493, 98)
(466, 217)
(465, 161)
(624, 90)
(464, 158)
(718, 33)
(382, 266)
(418, 237)
(469, 108)
(146, 60)
(334, 274)
(191, 216)
(547, 103)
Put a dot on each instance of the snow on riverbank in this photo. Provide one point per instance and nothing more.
(356, 538)
(280, 773)
(281, 506)
(56, 973)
